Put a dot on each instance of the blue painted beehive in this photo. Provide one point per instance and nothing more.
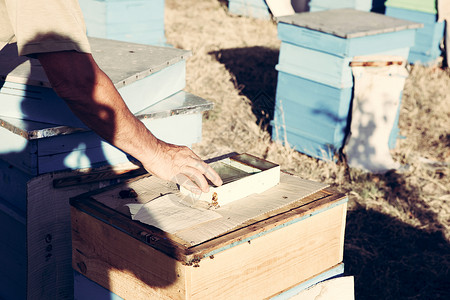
(319, 5)
(143, 76)
(315, 81)
(136, 21)
(45, 138)
(426, 49)
(250, 8)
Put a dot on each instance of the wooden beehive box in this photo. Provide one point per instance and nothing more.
(143, 75)
(426, 49)
(319, 5)
(315, 80)
(38, 147)
(428, 6)
(295, 233)
(136, 21)
(251, 8)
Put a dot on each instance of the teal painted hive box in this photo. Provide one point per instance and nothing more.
(315, 80)
(426, 49)
(41, 139)
(250, 8)
(136, 21)
(426, 6)
(319, 5)
(143, 75)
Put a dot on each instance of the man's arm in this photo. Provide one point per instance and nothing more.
(92, 97)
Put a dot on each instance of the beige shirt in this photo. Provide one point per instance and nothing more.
(43, 26)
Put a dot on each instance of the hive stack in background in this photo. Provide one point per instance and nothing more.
(426, 49)
(136, 21)
(318, 5)
(41, 136)
(249, 8)
(314, 89)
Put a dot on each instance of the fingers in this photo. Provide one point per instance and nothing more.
(181, 165)
(211, 174)
(184, 181)
(192, 177)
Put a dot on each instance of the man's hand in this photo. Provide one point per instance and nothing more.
(92, 97)
(182, 166)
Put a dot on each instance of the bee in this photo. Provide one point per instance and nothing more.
(214, 201)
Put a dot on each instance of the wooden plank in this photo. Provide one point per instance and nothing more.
(122, 264)
(337, 288)
(331, 272)
(320, 202)
(13, 259)
(18, 151)
(316, 65)
(272, 262)
(49, 251)
(133, 172)
(304, 142)
(319, 5)
(13, 185)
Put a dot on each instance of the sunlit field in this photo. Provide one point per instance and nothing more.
(397, 233)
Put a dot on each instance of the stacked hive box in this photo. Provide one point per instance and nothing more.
(41, 135)
(426, 49)
(250, 8)
(136, 21)
(314, 88)
(318, 5)
(269, 244)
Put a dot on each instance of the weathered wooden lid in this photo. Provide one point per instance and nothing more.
(123, 62)
(108, 206)
(348, 23)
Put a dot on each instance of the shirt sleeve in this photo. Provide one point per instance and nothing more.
(47, 26)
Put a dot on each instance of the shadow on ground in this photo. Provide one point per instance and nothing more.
(392, 260)
(254, 75)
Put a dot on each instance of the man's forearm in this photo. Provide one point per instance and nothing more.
(93, 98)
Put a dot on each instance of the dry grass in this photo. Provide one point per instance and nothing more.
(398, 225)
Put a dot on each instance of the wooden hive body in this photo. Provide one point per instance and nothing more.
(136, 21)
(319, 5)
(260, 258)
(426, 48)
(427, 6)
(315, 80)
(144, 75)
(250, 8)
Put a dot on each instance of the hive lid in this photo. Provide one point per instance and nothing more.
(168, 219)
(348, 23)
(177, 104)
(123, 62)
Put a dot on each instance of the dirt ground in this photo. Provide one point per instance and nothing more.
(397, 233)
